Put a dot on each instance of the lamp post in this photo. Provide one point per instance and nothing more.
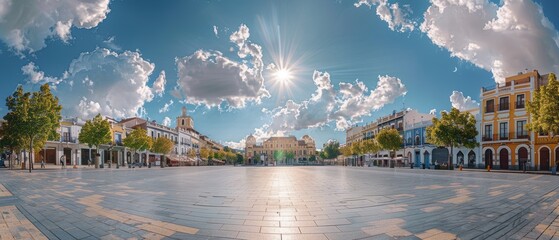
(110, 154)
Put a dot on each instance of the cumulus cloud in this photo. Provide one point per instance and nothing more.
(106, 82)
(344, 106)
(503, 39)
(393, 14)
(159, 84)
(211, 79)
(166, 107)
(25, 25)
(34, 75)
(462, 103)
(167, 121)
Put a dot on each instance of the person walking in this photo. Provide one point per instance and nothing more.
(42, 162)
(62, 158)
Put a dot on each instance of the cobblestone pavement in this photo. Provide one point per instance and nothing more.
(277, 203)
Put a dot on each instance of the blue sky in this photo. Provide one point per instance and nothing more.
(343, 64)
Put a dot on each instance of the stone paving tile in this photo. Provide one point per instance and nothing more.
(276, 202)
(14, 225)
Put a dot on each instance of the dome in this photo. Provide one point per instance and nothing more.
(308, 139)
(251, 140)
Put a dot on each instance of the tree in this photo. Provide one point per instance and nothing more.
(331, 149)
(370, 146)
(35, 117)
(204, 153)
(191, 153)
(290, 156)
(163, 146)
(453, 129)
(278, 155)
(10, 141)
(544, 107)
(240, 158)
(94, 133)
(346, 151)
(389, 139)
(137, 140)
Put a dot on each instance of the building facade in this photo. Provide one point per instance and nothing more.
(263, 153)
(506, 141)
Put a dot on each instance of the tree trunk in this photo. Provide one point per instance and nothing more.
(97, 157)
(89, 160)
(450, 165)
(30, 152)
(163, 161)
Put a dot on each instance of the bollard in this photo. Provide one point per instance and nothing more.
(489, 168)
(460, 167)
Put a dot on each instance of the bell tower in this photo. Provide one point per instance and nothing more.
(184, 121)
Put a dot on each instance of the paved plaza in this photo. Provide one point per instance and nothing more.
(277, 203)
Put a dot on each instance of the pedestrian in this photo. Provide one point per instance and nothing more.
(42, 162)
(62, 161)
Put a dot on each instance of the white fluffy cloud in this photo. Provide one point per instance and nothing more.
(25, 25)
(344, 106)
(433, 111)
(159, 84)
(211, 79)
(393, 14)
(106, 82)
(34, 75)
(166, 107)
(504, 39)
(462, 103)
(167, 121)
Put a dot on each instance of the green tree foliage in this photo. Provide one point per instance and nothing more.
(191, 153)
(94, 133)
(240, 159)
(163, 146)
(331, 150)
(204, 153)
(278, 155)
(453, 129)
(544, 108)
(346, 150)
(137, 140)
(290, 155)
(389, 139)
(370, 146)
(357, 148)
(35, 117)
(312, 158)
(11, 141)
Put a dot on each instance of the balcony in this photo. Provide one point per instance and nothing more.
(67, 139)
(505, 136)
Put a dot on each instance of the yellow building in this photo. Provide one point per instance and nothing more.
(263, 153)
(506, 142)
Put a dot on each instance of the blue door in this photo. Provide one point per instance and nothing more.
(426, 159)
(417, 159)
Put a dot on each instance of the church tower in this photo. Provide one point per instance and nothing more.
(184, 121)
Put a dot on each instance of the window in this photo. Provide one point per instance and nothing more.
(118, 138)
(503, 103)
(521, 131)
(503, 130)
(490, 106)
(520, 101)
(488, 133)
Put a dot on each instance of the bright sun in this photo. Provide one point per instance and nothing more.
(283, 75)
